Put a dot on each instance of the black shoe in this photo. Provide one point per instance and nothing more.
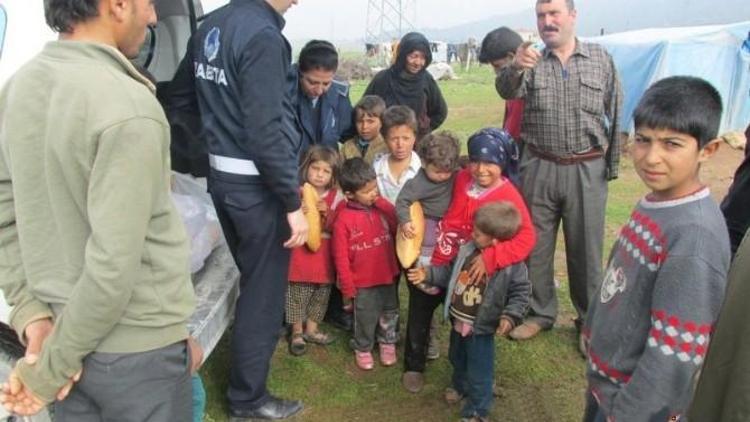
(274, 408)
(343, 321)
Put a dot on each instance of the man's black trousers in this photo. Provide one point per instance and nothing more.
(255, 227)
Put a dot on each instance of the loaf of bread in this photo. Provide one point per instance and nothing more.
(408, 250)
(310, 199)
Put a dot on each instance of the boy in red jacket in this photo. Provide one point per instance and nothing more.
(365, 260)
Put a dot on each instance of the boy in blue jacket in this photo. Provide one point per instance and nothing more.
(480, 310)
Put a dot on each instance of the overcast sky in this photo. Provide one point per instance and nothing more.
(346, 19)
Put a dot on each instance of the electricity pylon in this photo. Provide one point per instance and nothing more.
(389, 19)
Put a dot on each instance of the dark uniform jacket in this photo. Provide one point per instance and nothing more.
(333, 112)
(237, 71)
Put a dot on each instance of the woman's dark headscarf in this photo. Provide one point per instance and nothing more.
(409, 89)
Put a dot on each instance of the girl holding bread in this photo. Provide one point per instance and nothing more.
(311, 270)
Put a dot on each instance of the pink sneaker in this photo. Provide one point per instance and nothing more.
(388, 354)
(364, 360)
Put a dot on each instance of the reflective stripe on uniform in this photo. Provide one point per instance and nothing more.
(233, 165)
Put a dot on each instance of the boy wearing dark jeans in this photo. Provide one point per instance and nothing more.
(479, 310)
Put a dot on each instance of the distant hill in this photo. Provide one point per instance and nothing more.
(611, 16)
(477, 29)
(627, 15)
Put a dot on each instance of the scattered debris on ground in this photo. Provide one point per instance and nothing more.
(353, 70)
(441, 71)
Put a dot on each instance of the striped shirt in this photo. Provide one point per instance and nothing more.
(569, 109)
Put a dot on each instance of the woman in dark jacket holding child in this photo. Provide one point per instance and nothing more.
(408, 83)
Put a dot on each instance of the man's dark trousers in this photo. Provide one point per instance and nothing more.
(151, 386)
(255, 227)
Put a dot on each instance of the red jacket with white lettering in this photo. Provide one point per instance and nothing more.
(363, 245)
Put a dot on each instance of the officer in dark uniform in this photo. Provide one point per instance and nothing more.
(322, 103)
(237, 72)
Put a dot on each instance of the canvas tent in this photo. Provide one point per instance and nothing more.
(718, 53)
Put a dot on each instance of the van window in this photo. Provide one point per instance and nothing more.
(3, 19)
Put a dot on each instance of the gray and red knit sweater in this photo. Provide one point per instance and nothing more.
(650, 322)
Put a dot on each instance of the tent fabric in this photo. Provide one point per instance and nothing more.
(718, 53)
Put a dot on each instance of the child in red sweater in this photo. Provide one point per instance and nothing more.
(311, 273)
(365, 260)
(493, 165)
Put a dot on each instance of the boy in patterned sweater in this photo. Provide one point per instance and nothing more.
(649, 324)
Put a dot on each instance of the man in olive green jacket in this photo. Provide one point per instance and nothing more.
(723, 391)
(93, 255)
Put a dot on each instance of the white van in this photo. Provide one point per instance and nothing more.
(23, 33)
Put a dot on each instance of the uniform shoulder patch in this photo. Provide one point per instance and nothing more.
(211, 44)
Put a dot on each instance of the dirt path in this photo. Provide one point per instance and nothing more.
(719, 171)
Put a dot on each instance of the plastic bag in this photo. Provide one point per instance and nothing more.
(199, 216)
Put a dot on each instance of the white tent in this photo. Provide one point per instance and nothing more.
(718, 53)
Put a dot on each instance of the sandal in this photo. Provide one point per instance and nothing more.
(297, 346)
(318, 337)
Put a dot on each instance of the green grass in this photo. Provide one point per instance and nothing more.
(541, 379)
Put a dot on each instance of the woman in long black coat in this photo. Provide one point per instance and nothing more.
(408, 83)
